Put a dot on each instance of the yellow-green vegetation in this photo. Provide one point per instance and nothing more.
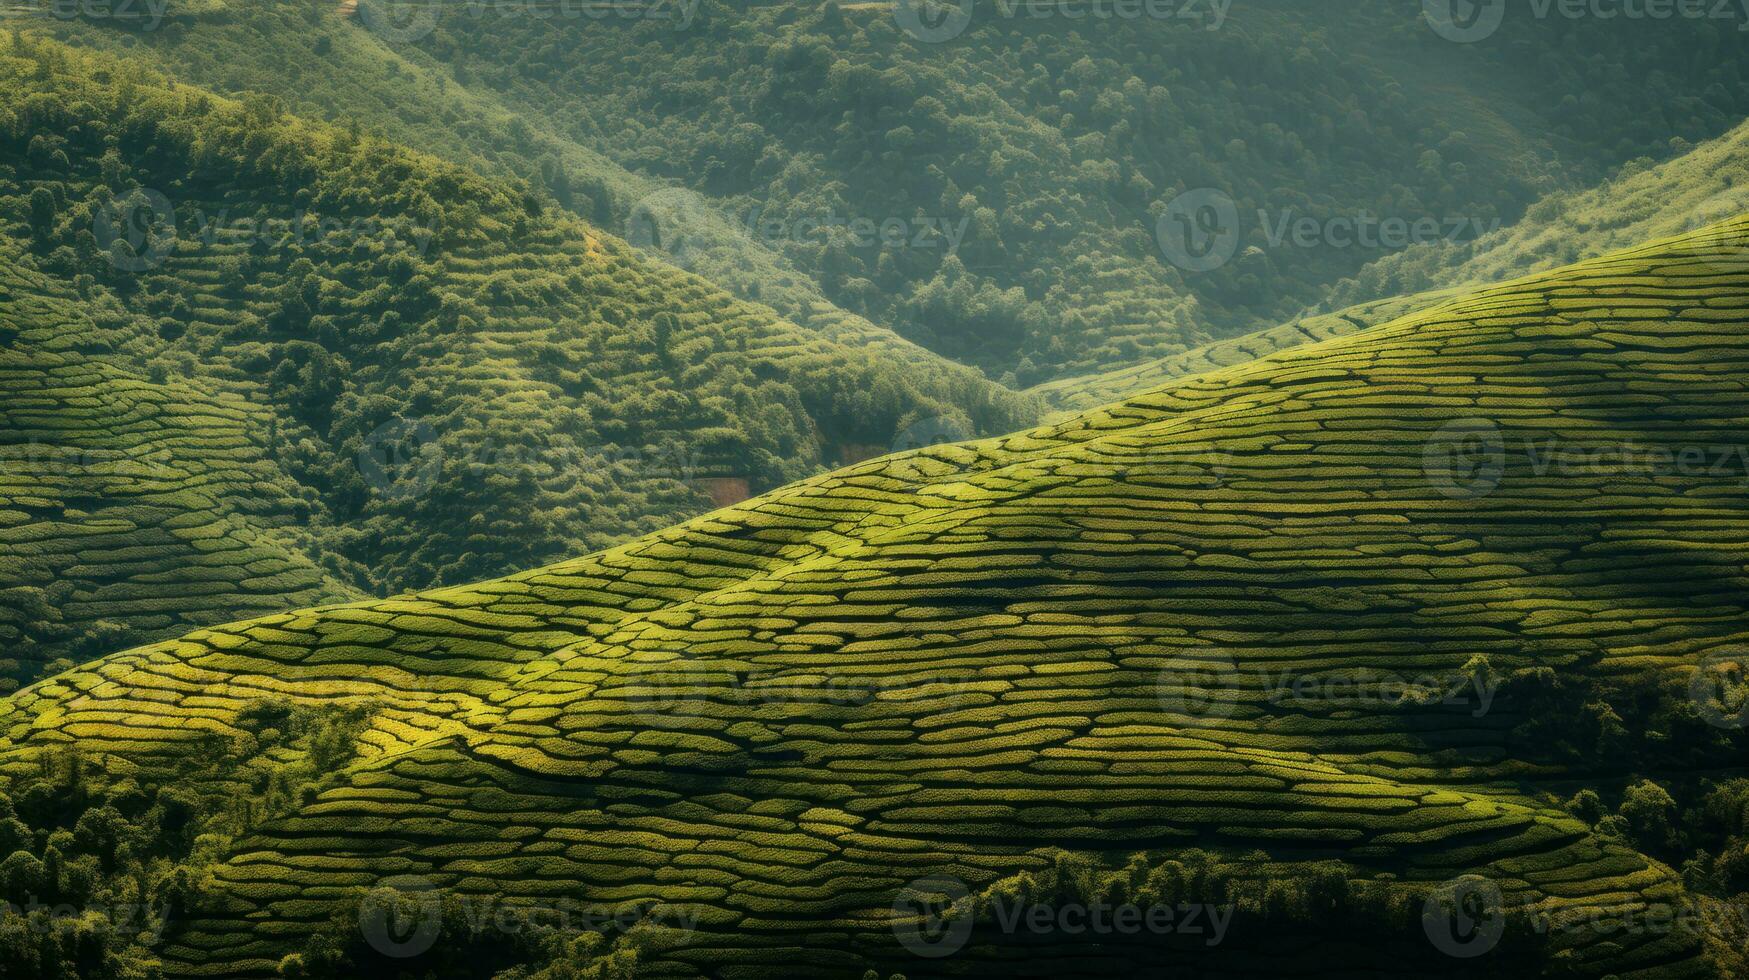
(439, 377)
(1146, 652)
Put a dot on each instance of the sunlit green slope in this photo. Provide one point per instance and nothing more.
(1375, 600)
(1091, 390)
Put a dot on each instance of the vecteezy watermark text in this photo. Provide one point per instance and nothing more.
(1470, 21)
(921, 231)
(936, 21)
(404, 915)
(658, 692)
(141, 921)
(682, 225)
(1386, 688)
(1209, 685)
(1468, 458)
(1367, 230)
(146, 14)
(402, 459)
(1201, 230)
(301, 229)
(407, 21)
(139, 230)
(933, 917)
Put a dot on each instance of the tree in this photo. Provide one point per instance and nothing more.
(42, 214)
(1649, 811)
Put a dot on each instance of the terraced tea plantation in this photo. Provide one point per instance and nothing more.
(129, 509)
(1352, 618)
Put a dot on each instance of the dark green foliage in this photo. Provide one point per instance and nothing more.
(1059, 143)
(460, 949)
(100, 868)
(444, 381)
(1648, 814)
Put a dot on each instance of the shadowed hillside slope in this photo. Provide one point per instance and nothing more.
(451, 380)
(1371, 601)
(393, 91)
(129, 508)
(1060, 140)
(1050, 145)
(1091, 390)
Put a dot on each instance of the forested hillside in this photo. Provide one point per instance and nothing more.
(575, 490)
(446, 379)
(1028, 161)
(1245, 639)
(340, 69)
(1059, 144)
(1645, 199)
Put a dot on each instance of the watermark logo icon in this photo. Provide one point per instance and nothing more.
(1214, 466)
(400, 459)
(1464, 917)
(1465, 459)
(657, 693)
(671, 223)
(933, 21)
(1199, 230)
(402, 916)
(1464, 21)
(1726, 248)
(934, 430)
(146, 14)
(399, 21)
(1190, 685)
(138, 231)
(1720, 689)
(923, 917)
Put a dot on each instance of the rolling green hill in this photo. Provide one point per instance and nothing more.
(1309, 637)
(1091, 390)
(1642, 202)
(436, 376)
